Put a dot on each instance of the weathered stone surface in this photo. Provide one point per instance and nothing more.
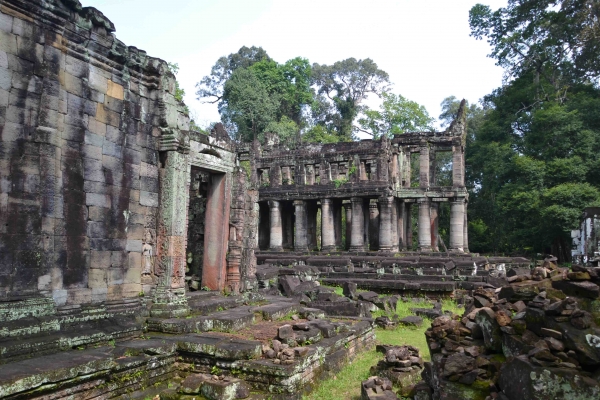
(519, 379)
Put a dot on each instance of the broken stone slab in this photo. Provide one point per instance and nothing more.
(349, 290)
(520, 379)
(368, 296)
(225, 389)
(376, 388)
(192, 384)
(578, 289)
(412, 320)
(492, 336)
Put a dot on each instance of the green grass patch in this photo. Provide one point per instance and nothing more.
(346, 383)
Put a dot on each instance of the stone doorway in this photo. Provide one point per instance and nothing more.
(207, 230)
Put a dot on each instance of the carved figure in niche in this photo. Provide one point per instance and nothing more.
(147, 254)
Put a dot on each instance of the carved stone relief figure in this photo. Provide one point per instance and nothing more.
(147, 253)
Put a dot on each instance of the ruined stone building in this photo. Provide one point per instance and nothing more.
(370, 182)
(105, 193)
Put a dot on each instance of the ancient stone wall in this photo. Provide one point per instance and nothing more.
(80, 117)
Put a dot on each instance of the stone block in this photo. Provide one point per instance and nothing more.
(100, 200)
(98, 82)
(8, 42)
(115, 276)
(5, 79)
(100, 259)
(135, 260)
(97, 278)
(133, 275)
(92, 152)
(148, 199)
(73, 84)
(98, 213)
(134, 245)
(92, 170)
(112, 149)
(107, 116)
(115, 90)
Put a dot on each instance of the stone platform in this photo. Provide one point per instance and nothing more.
(228, 337)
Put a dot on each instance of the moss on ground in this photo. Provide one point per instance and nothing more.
(346, 383)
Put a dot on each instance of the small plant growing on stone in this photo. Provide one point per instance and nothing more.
(206, 288)
(215, 370)
(111, 342)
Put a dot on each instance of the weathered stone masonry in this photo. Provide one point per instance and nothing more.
(371, 181)
(95, 171)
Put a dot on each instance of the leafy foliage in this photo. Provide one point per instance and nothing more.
(342, 87)
(396, 115)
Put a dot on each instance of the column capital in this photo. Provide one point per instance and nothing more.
(326, 201)
(356, 200)
(299, 203)
(273, 204)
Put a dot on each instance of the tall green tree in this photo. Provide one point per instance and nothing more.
(342, 87)
(396, 115)
(250, 107)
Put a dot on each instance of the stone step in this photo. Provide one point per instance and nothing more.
(101, 372)
(224, 321)
(396, 284)
(214, 345)
(204, 303)
(271, 312)
(12, 349)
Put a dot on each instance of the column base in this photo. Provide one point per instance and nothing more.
(278, 249)
(329, 248)
(457, 250)
(387, 249)
(466, 250)
(301, 248)
(169, 303)
(357, 248)
(425, 248)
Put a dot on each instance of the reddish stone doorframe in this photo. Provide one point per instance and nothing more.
(216, 232)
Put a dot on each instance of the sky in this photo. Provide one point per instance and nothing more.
(424, 45)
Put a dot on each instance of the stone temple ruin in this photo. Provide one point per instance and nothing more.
(139, 258)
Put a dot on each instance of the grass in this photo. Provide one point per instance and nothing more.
(346, 383)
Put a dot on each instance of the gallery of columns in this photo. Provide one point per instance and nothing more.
(364, 196)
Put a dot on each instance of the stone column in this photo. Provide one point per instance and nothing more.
(300, 236)
(337, 222)
(385, 224)
(276, 235)
(466, 232)
(408, 226)
(348, 210)
(401, 223)
(458, 178)
(424, 228)
(434, 216)
(373, 227)
(327, 226)
(394, 223)
(424, 165)
(169, 300)
(357, 238)
(457, 222)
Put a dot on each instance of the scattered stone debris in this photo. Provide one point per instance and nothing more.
(402, 365)
(376, 388)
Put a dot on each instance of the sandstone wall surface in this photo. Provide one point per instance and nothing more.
(81, 115)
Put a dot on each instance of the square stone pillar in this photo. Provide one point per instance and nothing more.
(457, 222)
(373, 225)
(408, 226)
(169, 298)
(337, 222)
(301, 234)
(434, 216)
(466, 232)
(348, 211)
(458, 177)
(276, 232)
(394, 222)
(327, 226)
(424, 227)
(386, 242)
(424, 165)
(357, 239)
(401, 224)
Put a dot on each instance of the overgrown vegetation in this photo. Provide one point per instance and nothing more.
(346, 383)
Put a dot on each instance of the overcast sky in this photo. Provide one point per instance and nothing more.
(424, 45)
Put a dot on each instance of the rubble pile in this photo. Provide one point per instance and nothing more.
(292, 339)
(402, 365)
(376, 388)
(536, 338)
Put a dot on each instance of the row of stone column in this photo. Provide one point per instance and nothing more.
(394, 229)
